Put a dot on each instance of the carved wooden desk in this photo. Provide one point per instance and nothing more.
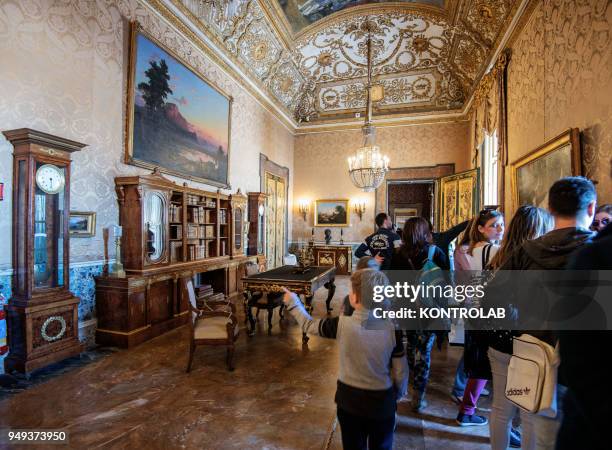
(273, 281)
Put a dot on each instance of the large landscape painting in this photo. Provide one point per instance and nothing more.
(533, 174)
(331, 213)
(178, 121)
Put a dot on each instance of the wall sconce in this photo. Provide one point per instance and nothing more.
(304, 207)
(359, 206)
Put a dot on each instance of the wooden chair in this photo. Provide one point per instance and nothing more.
(259, 300)
(210, 326)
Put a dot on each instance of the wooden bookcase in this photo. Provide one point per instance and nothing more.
(170, 232)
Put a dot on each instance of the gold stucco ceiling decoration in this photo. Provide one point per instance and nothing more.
(426, 58)
(428, 54)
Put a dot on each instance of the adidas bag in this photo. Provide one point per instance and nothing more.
(532, 376)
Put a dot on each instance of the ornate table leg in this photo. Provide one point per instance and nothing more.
(308, 305)
(248, 314)
(331, 290)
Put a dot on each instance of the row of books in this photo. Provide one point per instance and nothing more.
(222, 216)
(203, 201)
(200, 215)
(200, 231)
(176, 232)
(176, 251)
(175, 213)
(204, 290)
(196, 252)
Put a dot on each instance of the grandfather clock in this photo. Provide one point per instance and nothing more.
(42, 319)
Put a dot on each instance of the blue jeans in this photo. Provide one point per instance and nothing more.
(460, 379)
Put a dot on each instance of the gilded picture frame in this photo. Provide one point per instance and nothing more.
(401, 215)
(533, 174)
(82, 224)
(332, 213)
(458, 198)
(197, 161)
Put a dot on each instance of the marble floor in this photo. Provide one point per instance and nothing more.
(279, 397)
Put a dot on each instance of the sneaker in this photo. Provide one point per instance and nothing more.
(515, 438)
(463, 420)
(418, 402)
(485, 392)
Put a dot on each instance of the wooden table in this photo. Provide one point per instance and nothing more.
(273, 281)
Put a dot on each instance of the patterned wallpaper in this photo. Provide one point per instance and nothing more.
(321, 173)
(64, 72)
(559, 77)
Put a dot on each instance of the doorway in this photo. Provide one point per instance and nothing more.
(276, 212)
(410, 198)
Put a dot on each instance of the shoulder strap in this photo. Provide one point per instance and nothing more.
(430, 252)
(486, 252)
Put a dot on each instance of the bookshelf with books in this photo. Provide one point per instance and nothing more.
(170, 231)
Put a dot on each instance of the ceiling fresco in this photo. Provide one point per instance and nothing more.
(428, 55)
(301, 13)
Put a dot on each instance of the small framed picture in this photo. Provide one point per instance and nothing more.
(331, 213)
(82, 224)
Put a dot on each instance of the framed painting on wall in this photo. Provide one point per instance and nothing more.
(401, 215)
(176, 120)
(82, 224)
(459, 198)
(331, 213)
(533, 174)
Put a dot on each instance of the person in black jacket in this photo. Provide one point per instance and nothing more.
(412, 255)
(380, 243)
(571, 201)
(588, 403)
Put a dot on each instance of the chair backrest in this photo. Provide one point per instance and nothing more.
(251, 269)
(290, 260)
(192, 296)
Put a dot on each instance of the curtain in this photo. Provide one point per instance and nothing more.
(490, 113)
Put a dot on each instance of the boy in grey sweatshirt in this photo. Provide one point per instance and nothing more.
(373, 371)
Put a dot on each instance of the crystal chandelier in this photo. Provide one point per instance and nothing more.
(367, 168)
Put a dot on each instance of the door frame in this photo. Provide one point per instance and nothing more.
(267, 165)
(416, 174)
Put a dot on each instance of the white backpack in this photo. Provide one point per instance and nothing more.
(532, 376)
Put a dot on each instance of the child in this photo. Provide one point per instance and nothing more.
(365, 262)
(372, 371)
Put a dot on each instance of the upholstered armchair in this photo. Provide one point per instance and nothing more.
(210, 326)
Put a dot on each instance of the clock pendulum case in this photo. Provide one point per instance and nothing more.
(42, 319)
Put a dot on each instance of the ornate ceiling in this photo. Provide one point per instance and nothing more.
(429, 55)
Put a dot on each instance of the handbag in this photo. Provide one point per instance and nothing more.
(532, 376)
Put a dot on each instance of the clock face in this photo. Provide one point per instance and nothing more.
(50, 178)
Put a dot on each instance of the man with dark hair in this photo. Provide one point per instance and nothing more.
(380, 243)
(571, 202)
(588, 402)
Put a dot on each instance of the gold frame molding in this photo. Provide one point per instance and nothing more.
(327, 200)
(570, 136)
(135, 29)
(91, 224)
(473, 174)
